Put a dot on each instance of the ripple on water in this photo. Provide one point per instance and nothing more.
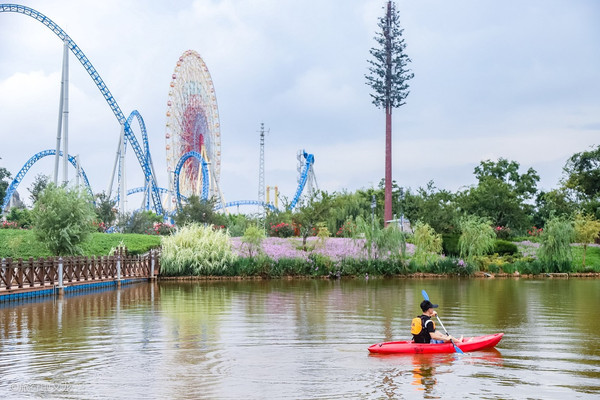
(300, 340)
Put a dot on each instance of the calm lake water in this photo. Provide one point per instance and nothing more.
(303, 339)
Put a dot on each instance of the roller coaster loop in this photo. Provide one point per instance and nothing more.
(204, 165)
(142, 158)
(148, 185)
(21, 174)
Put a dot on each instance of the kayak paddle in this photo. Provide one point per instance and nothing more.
(456, 348)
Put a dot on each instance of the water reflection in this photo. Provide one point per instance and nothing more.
(302, 339)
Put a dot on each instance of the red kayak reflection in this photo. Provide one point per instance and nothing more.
(423, 366)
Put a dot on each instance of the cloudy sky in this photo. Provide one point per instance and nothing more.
(512, 79)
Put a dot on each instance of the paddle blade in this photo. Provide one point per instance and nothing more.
(425, 296)
(457, 349)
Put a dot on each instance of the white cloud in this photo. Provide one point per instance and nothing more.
(502, 80)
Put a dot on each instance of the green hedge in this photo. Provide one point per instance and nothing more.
(504, 247)
(450, 246)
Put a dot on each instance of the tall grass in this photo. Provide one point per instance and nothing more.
(196, 250)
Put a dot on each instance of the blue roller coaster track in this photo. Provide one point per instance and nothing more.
(246, 203)
(23, 171)
(309, 160)
(150, 189)
(203, 164)
(148, 158)
(143, 158)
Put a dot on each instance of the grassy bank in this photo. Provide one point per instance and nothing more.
(23, 244)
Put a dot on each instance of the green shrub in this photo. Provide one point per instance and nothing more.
(509, 268)
(450, 244)
(252, 240)
(449, 266)
(282, 229)
(353, 266)
(62, 219)
(289, 267)
(533, 267)
(347, 229)
(320, 264)
(503, 247)
(493, 268)
(502, 232)
(19, 216)
(196, 250)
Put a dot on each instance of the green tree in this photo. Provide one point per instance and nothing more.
(346, 206)
(62, 219)
(477, 237)
(555, 245)
(237, 223)
(582, 174)
(198, 210)
(555, 202)
(312, 211)
(37, 187)
(378, 241)
(428, 244)
(4, 176)
(436, 208)
(22, 216)
(388, 78)
(582, 180)
(252, 240)
(139, 222)
(501, 195)
(105, 209)
(587, 230)
(523, 185)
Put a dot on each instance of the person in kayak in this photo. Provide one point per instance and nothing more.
(428, 333)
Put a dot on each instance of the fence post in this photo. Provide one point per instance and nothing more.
(61, 287)
(3, 272)
(119, 267)
(151, 272)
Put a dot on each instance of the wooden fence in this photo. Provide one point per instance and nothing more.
(34, 274)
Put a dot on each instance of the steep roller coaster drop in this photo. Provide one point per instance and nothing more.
(193, 133)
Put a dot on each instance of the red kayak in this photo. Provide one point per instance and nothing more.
(468, 344)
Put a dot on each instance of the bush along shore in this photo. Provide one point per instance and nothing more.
(205, 253)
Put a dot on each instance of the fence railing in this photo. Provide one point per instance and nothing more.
(44, 272)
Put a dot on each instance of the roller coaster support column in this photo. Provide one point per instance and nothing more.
(78, 170)
(66, 114)
(60, 114)
(122, 187)
(112, 176)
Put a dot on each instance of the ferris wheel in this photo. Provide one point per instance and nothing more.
(193, 126)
